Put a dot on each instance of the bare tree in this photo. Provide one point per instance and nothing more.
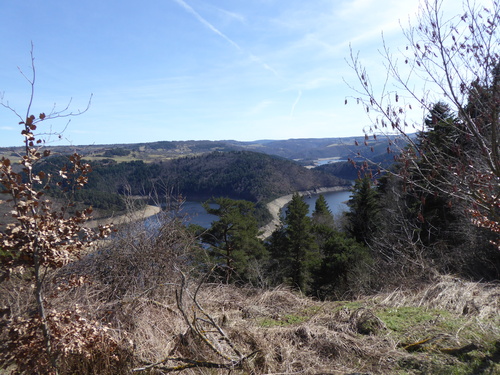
(456, 61)
(41, 237)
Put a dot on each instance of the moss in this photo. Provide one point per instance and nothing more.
(401, 318)
(434, 339)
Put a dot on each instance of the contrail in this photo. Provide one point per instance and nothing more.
(264, 65)
(190, 9)
(207, 24)
(296, 102)
(254, 58)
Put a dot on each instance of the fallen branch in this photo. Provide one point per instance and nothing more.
(203, 327)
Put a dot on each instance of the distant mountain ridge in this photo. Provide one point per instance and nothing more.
(304, 150)
(300, 149)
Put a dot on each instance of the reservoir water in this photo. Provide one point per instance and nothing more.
(195, 213)
(336, 201)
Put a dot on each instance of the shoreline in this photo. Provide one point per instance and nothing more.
(274, 207)
(142, 214)
(277, 204)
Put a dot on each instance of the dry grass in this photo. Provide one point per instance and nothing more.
(296, 335)
(131, 285)
(451, 294)
(292, 334)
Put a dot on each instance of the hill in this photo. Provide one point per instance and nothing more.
(445, 326)
(329, 154)
(246, 175)
(304, 150)
(239, 175)
(243, 175)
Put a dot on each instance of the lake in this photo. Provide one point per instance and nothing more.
(196, 214)
(336, 201)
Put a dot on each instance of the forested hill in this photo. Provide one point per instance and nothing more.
(238, 175)
(243, 175)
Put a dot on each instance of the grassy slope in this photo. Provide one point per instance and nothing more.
(450, 327)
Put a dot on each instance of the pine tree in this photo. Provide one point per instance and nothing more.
(455, 55)
(233, 239)
(322, 214)
(432, 210)
(293, 245)
(362, 217)
(323, 224)
(344, 267)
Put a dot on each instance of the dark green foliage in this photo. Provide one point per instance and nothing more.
(441, 128)
(101, 200)
(342, 169)
(312, 254)
(423, 223)
(238, 175)
(344, 261)
(444, 227)
(344, 267)
(293, 246)
(322, 214)
(233, 242)
(323, 224)
(242, 175)
(364, 208)
(98, 193)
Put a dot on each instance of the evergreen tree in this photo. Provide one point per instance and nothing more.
(363, 214)
(233, 239)
(322, 214)
(466, 71)
(323, 224)
(421, 222)
(343, 259)
(432, 209)
(344, 267)
(293, 245)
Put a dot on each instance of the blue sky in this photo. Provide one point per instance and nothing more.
(192, 69)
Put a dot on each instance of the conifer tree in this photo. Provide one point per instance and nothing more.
(233, 239)
(293, 245)
(362, 217)
(323, 224)
(455, 58)
(322, 213)
(433, 210)
(344, 267)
